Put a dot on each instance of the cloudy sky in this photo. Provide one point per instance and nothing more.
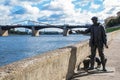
(57, 11)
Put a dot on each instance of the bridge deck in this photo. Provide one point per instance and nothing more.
(43, 26)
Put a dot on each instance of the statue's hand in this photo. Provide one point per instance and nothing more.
(106, 46)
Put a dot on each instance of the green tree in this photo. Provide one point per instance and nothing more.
(118, 20)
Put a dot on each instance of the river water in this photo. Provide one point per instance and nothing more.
(14, 48)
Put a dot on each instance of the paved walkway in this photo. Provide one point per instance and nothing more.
(113, 64)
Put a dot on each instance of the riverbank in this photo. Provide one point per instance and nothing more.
(113, 63)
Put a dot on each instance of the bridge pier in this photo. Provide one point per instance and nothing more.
(35, 32)
(3, 32)
(66, 32)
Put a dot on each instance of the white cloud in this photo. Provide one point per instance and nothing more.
(111, 7)
(65, 5)
(30, 2)
(4, 9)
(66, 8)
(30, 9)
(82, 3)
(94, 6)
(111, 3)
(71, 15)
(4, 14)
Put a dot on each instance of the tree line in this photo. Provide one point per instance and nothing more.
(113, 20)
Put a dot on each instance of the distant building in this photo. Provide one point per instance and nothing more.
(112, 17)
(118, 13)
(109, 18)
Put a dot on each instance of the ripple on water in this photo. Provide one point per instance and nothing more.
(14, 48)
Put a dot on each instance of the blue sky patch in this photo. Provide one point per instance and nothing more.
(18, 10)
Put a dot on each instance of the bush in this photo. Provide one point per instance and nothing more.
(112, 29)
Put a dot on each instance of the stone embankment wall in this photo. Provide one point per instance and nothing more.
(54, 65)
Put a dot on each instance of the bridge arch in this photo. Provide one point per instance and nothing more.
(22, 30)
(51, 30)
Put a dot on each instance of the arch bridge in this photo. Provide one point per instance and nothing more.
(36, 26)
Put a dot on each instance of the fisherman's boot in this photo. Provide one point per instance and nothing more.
(98, 63)
(104, 64)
